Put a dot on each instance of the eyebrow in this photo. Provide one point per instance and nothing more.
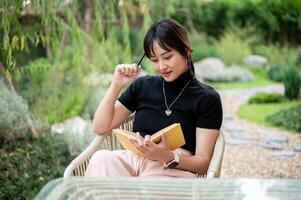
(162, 54)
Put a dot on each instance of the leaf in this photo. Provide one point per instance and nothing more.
(15, 42)
(22, 42)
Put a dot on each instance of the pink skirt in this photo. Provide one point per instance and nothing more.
(117, 163)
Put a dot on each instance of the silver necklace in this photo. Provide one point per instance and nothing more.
(168, 111)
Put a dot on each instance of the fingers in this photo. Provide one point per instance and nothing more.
(148, 142)
(164, 140)
(139, 144)
(129, 69)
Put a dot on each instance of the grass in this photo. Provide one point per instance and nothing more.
(258, 112)
(28, 164)
(260, 79)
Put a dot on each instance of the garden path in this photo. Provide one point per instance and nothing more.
(254, 150)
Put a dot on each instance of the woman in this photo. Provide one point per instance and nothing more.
(175, 95)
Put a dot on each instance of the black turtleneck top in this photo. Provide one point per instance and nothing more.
(198, 106)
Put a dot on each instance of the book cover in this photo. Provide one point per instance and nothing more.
(174, 136)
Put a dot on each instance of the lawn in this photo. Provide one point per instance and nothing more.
(258, 112)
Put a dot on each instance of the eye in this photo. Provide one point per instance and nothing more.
(167, 58)
(154, 61)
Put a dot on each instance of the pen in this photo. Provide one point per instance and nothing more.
(141, 59)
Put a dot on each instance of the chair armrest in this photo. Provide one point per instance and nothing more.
(214, 168)
(78, 166)
(104, 141)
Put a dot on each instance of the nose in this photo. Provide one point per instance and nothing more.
(162, 65)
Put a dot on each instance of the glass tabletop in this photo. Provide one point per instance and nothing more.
(171, 188)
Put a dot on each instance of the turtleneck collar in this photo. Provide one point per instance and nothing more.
(182, 79)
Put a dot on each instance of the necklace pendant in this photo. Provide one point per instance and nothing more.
(168, 112)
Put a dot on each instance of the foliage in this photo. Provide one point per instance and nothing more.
(292, 82)
(277, 21)
(275, 72)
(298, 56)
(201, 46)
(28, 164)
(276, 54)
(289, 118)
(263, 97)
(259, 112)
(13, 112)
(235, 44)
(93, 101)
(203, 52)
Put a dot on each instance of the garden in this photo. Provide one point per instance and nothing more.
(57, 59)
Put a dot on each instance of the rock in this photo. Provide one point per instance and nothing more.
(208, 68)
(272, 145)
(269, 137)
(283, 153)
(228, 117)
(241, 135)
(236, 141)
(230, 126)
(297, 147)
(75, 125)
(255, 60)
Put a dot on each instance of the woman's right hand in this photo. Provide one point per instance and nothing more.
(125, 73)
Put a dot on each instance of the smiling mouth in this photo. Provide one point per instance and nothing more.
(166, 73)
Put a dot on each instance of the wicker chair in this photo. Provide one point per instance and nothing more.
(108, 141)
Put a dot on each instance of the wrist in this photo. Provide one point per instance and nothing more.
(168, 156)
(116, 85)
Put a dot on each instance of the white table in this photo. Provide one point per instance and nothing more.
(171, 188)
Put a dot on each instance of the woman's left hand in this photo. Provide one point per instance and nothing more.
(151, 150)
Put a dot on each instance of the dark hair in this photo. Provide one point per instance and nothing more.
(169, 34)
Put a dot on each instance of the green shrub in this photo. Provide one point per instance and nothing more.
(292, 82)
(235, 44)
(275, 72)
(203, 52)
(298, 56)
(58, 108)
(289, 118)
(13, 112)
(35, 70)
(276, 54)
(263, 97)
(28, 164)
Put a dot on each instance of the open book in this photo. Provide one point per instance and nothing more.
(174, 136)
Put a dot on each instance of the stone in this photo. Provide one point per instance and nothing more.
(241, 135)
(272, 145)
(208, 68)
(75, 125)
(235, 141)
(297, 147)
(269, 137)
(255, 60)
(230, 126)
(283, 153)
(228, 117)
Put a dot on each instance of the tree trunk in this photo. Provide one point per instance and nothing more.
(87, 15)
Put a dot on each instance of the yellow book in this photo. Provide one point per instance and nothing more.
(174, 136)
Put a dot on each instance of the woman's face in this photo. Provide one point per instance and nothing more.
(168, 64)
